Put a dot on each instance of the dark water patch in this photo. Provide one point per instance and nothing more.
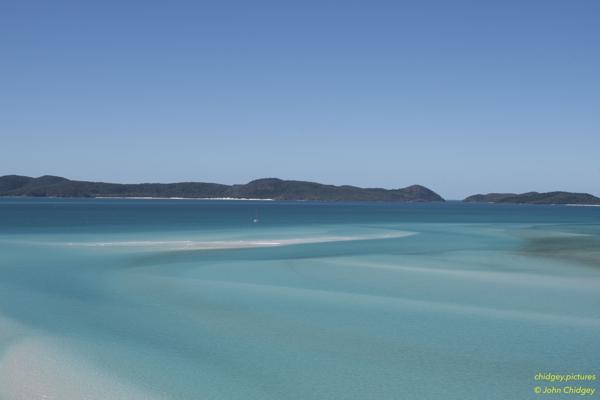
(580, 249)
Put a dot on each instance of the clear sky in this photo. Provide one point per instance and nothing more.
(460, 96)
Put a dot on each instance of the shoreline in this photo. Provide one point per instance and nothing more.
(178, 198)
(292, 200)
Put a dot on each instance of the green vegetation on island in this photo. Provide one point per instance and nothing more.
(268, 188)
(535, 198)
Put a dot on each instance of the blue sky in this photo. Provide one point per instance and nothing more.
(461, 96)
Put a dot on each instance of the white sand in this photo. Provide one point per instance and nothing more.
(236, 244)
(37, 368)
(183, 198)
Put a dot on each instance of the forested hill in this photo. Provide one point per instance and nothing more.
(268, 188)
(535, 198)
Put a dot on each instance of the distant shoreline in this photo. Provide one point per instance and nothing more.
(267, 189)
(258, 189)
(557, 197)
(468, 203)
(175, 198)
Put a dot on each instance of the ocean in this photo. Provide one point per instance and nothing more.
(226, 300)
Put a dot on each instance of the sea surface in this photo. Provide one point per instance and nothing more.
(226, 300)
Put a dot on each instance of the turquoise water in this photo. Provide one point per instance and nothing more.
(178, 299)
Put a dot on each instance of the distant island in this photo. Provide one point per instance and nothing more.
(267, 188)
(535, 198)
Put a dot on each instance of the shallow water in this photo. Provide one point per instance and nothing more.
(158, 299)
